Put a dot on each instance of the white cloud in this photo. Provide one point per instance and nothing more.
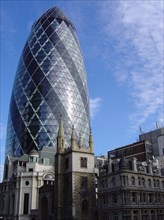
(137, 28)
(95, 106)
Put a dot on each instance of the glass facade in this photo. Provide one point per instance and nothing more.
(50, 81)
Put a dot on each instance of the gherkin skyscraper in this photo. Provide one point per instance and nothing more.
(50, 82)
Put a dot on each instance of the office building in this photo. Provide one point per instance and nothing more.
(50, 89)
(50, 81)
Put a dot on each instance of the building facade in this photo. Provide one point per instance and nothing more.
(142, 150)
(131, 190)
(156, 138)
(50, 81)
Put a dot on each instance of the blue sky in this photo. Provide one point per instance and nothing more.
(123, 48)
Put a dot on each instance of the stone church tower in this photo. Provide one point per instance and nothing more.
(74, 179)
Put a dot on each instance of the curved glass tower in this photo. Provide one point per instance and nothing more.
(50, 81)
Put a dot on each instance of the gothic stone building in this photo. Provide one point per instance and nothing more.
(74, 179)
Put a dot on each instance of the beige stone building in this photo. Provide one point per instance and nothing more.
(131, 190)
(22, 179)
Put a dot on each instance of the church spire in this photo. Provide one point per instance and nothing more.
(61, 128)
(91, 144)
(73, 141)
(80, 141)
(60, 138)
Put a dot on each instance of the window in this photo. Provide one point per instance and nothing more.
(26, 201)
(114, 198)
(143, 182)
(84, 206)
(144, 197)
(125, 197)
(134, 198)
(162, 184)
(157, 183)
(139, 181)
(133, 181)
(27, 183)
(116, 166)
(30, 170)
(115, 216)
(66, 163)
(150, 198)
(83, 162)
(124, 180)
(149, 182)
(135, 215)
(126, 215)
(84, 182)
(163, 151)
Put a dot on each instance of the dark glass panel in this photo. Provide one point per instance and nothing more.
(40, 56)
(44, 23)
(44, 87)
(54, 38)
(60, 47)
(33, 41)
(30, 89)
(32, 67)
(36, 48)
(59, 20)
(38, 76)
(34, 129)
(36, 96)
(36, 103)
(43, 39)
(46, 65)
(49, 31)
(28, 58)
(39, 33)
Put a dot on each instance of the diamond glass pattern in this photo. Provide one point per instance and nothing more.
(50, 81)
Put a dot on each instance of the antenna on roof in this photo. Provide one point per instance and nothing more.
(157, 126)
(141, 132)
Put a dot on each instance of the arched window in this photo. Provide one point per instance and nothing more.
(133, 181)
(124, 180)
(149, 182)
(84, 206)
(157, 183)
(143, 182)
(139, 181)
(162, 184)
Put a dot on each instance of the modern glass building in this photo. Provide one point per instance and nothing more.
(50, 81)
